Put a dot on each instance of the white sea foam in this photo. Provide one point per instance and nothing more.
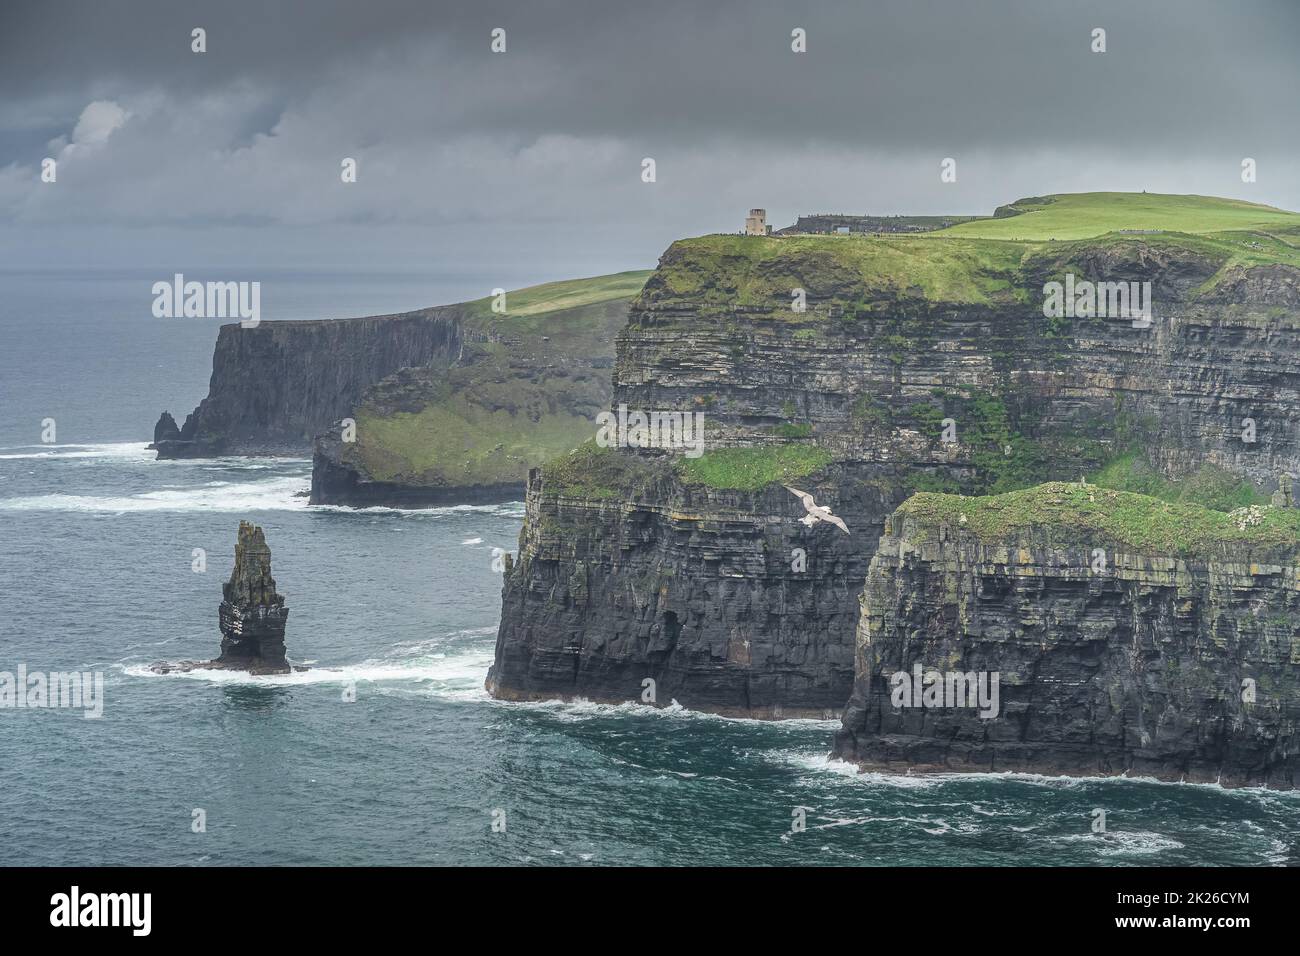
(1123, 842)
(580, 709)
(472, 541)
(269, 494)
(511, 509)
(128, 450)
(456, 675)
(843, 769)
(928, 779)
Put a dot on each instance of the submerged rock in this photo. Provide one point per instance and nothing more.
(252, 614)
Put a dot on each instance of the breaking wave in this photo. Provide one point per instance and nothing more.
(271, 494)
(128, 450)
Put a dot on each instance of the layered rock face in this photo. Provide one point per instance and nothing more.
(276, 386)
(252, 614)
(916, 364)
(720, 597)
(468, 433)
(1176, 659)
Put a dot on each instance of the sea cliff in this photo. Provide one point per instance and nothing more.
(447, 405)
(1126, 635)
(865, 370)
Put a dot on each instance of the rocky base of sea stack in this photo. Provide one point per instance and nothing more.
(252, 615)
(256, 667)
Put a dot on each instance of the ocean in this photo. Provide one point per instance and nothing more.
(97, 544)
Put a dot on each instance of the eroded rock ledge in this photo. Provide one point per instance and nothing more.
(1131, 636)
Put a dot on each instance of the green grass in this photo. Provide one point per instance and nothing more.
(981, 262)
(454, 443)
(1209, 487)
(1095, 517)
(1086, 215)
(760, 271)
(594, 472)
(489, 419)
(567, 294)
(749, 469)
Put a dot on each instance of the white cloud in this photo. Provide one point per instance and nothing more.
(97, 123)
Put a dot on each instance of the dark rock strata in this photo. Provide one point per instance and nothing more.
(276, 386)
(1139, 668)
(698, 589)
(251, 615)
(468, 433)
(693, 585)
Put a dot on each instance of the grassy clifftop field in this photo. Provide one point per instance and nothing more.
(1085, 215)
(1076, 513)
(982, 262)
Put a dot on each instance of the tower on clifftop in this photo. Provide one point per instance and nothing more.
(756, 223)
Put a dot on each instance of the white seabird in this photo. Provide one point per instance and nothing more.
(815, 511)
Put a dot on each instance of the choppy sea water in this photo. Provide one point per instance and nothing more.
(96, 553)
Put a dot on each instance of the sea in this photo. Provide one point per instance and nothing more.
(387, 750)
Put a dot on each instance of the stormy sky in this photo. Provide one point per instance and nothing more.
(527, 163)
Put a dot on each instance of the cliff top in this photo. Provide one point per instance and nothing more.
(527, 395)
(990, 261)
(525, 306)
(1087, 215)
(250, 581)
(1093, 515)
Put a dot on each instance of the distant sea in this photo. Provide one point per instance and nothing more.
(96, 552)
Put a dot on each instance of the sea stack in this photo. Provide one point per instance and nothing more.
(252, 614)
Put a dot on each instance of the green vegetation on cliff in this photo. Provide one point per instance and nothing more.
(546, 307)
(994, 261)
(722, 272)
(749, 469)
(1088, 515)
(1209, 487)
(524, 397)
(457, 443)
(590, 471)
(594, 472)
(1086, 215)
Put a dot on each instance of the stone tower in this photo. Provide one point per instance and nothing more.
(756, 223)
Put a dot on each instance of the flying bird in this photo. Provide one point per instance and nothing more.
(815, 511)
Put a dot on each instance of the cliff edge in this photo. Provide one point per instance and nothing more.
(864, 370)
(1107, 633)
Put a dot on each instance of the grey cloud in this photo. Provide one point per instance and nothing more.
(540, 147)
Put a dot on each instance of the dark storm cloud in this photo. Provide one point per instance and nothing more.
(538, 151)
(897, 74)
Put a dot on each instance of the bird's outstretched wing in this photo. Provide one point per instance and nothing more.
(839, 523)
(803, 496)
